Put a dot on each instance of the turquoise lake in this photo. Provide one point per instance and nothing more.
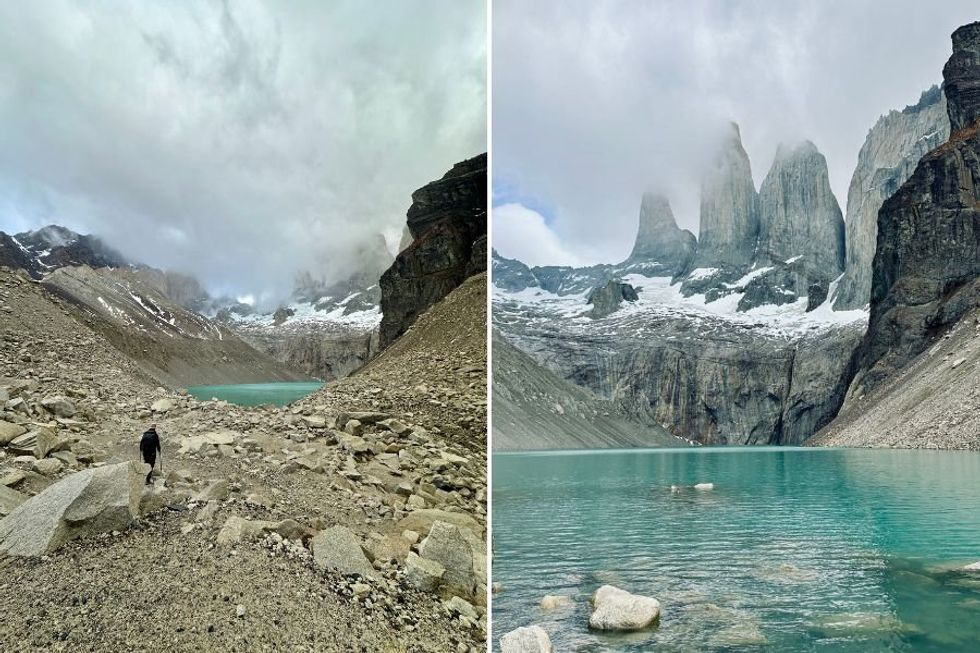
(256, 394)
(823, 550)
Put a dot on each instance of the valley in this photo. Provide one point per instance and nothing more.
(355, 513)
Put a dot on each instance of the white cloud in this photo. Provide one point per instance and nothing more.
(238, 141)
(521, 233)
(596, 102)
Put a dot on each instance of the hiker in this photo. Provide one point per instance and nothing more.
(149, 447)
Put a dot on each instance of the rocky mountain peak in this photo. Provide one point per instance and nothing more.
(729, 207)
(798, 213)
(659, 239)
(962, 77)
(890, 153)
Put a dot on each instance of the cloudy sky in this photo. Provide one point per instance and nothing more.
(241, 141)
(595, 102)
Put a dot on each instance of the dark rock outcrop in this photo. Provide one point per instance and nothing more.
(729, 209)
(659, 240)
(815, 296)
(926, 273)
(53, 247)
(607, 298)
(961, 77)
(447, 220)
(888, 157)
(798, 214)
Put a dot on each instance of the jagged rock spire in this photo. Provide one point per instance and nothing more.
(729, 208)
(798, 213)
(659, 239)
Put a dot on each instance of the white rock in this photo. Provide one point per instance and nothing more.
(91, 501)
(616, 609)
(338, 548)
(162, 405)
(529, 639)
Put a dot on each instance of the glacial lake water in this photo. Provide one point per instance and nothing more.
(256, 394)
(822, 550)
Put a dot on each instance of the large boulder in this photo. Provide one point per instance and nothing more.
(616, 609)
(421, 521)
(529, 639)
(58, 405)
(83, 504)
(339, 549)
(447, 545)
(423, 574)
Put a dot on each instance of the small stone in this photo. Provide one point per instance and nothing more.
(240, 611)
(47, 466)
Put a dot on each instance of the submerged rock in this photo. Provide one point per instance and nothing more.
(555, 601)
(83, 504)
(616, 609)
(528, 639)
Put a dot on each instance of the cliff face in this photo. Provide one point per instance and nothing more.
(887, 159)
(926, 271)
(659, 241)
(798, 214)
(533, 408)
(448, 224)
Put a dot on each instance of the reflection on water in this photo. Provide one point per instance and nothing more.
(794, 549)
(256, 394)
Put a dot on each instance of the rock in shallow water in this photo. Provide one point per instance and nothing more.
(529, 639)
(553, 602)
(616, 609)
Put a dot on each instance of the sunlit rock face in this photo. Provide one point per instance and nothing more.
(887, 159)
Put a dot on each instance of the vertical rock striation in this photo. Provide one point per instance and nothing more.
(448, 224)
(798, 214)
(729, 209)
(887, 159)
(926, 272)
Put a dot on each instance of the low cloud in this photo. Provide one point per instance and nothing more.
(242, 142)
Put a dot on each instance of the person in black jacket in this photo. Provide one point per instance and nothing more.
(149, 448)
